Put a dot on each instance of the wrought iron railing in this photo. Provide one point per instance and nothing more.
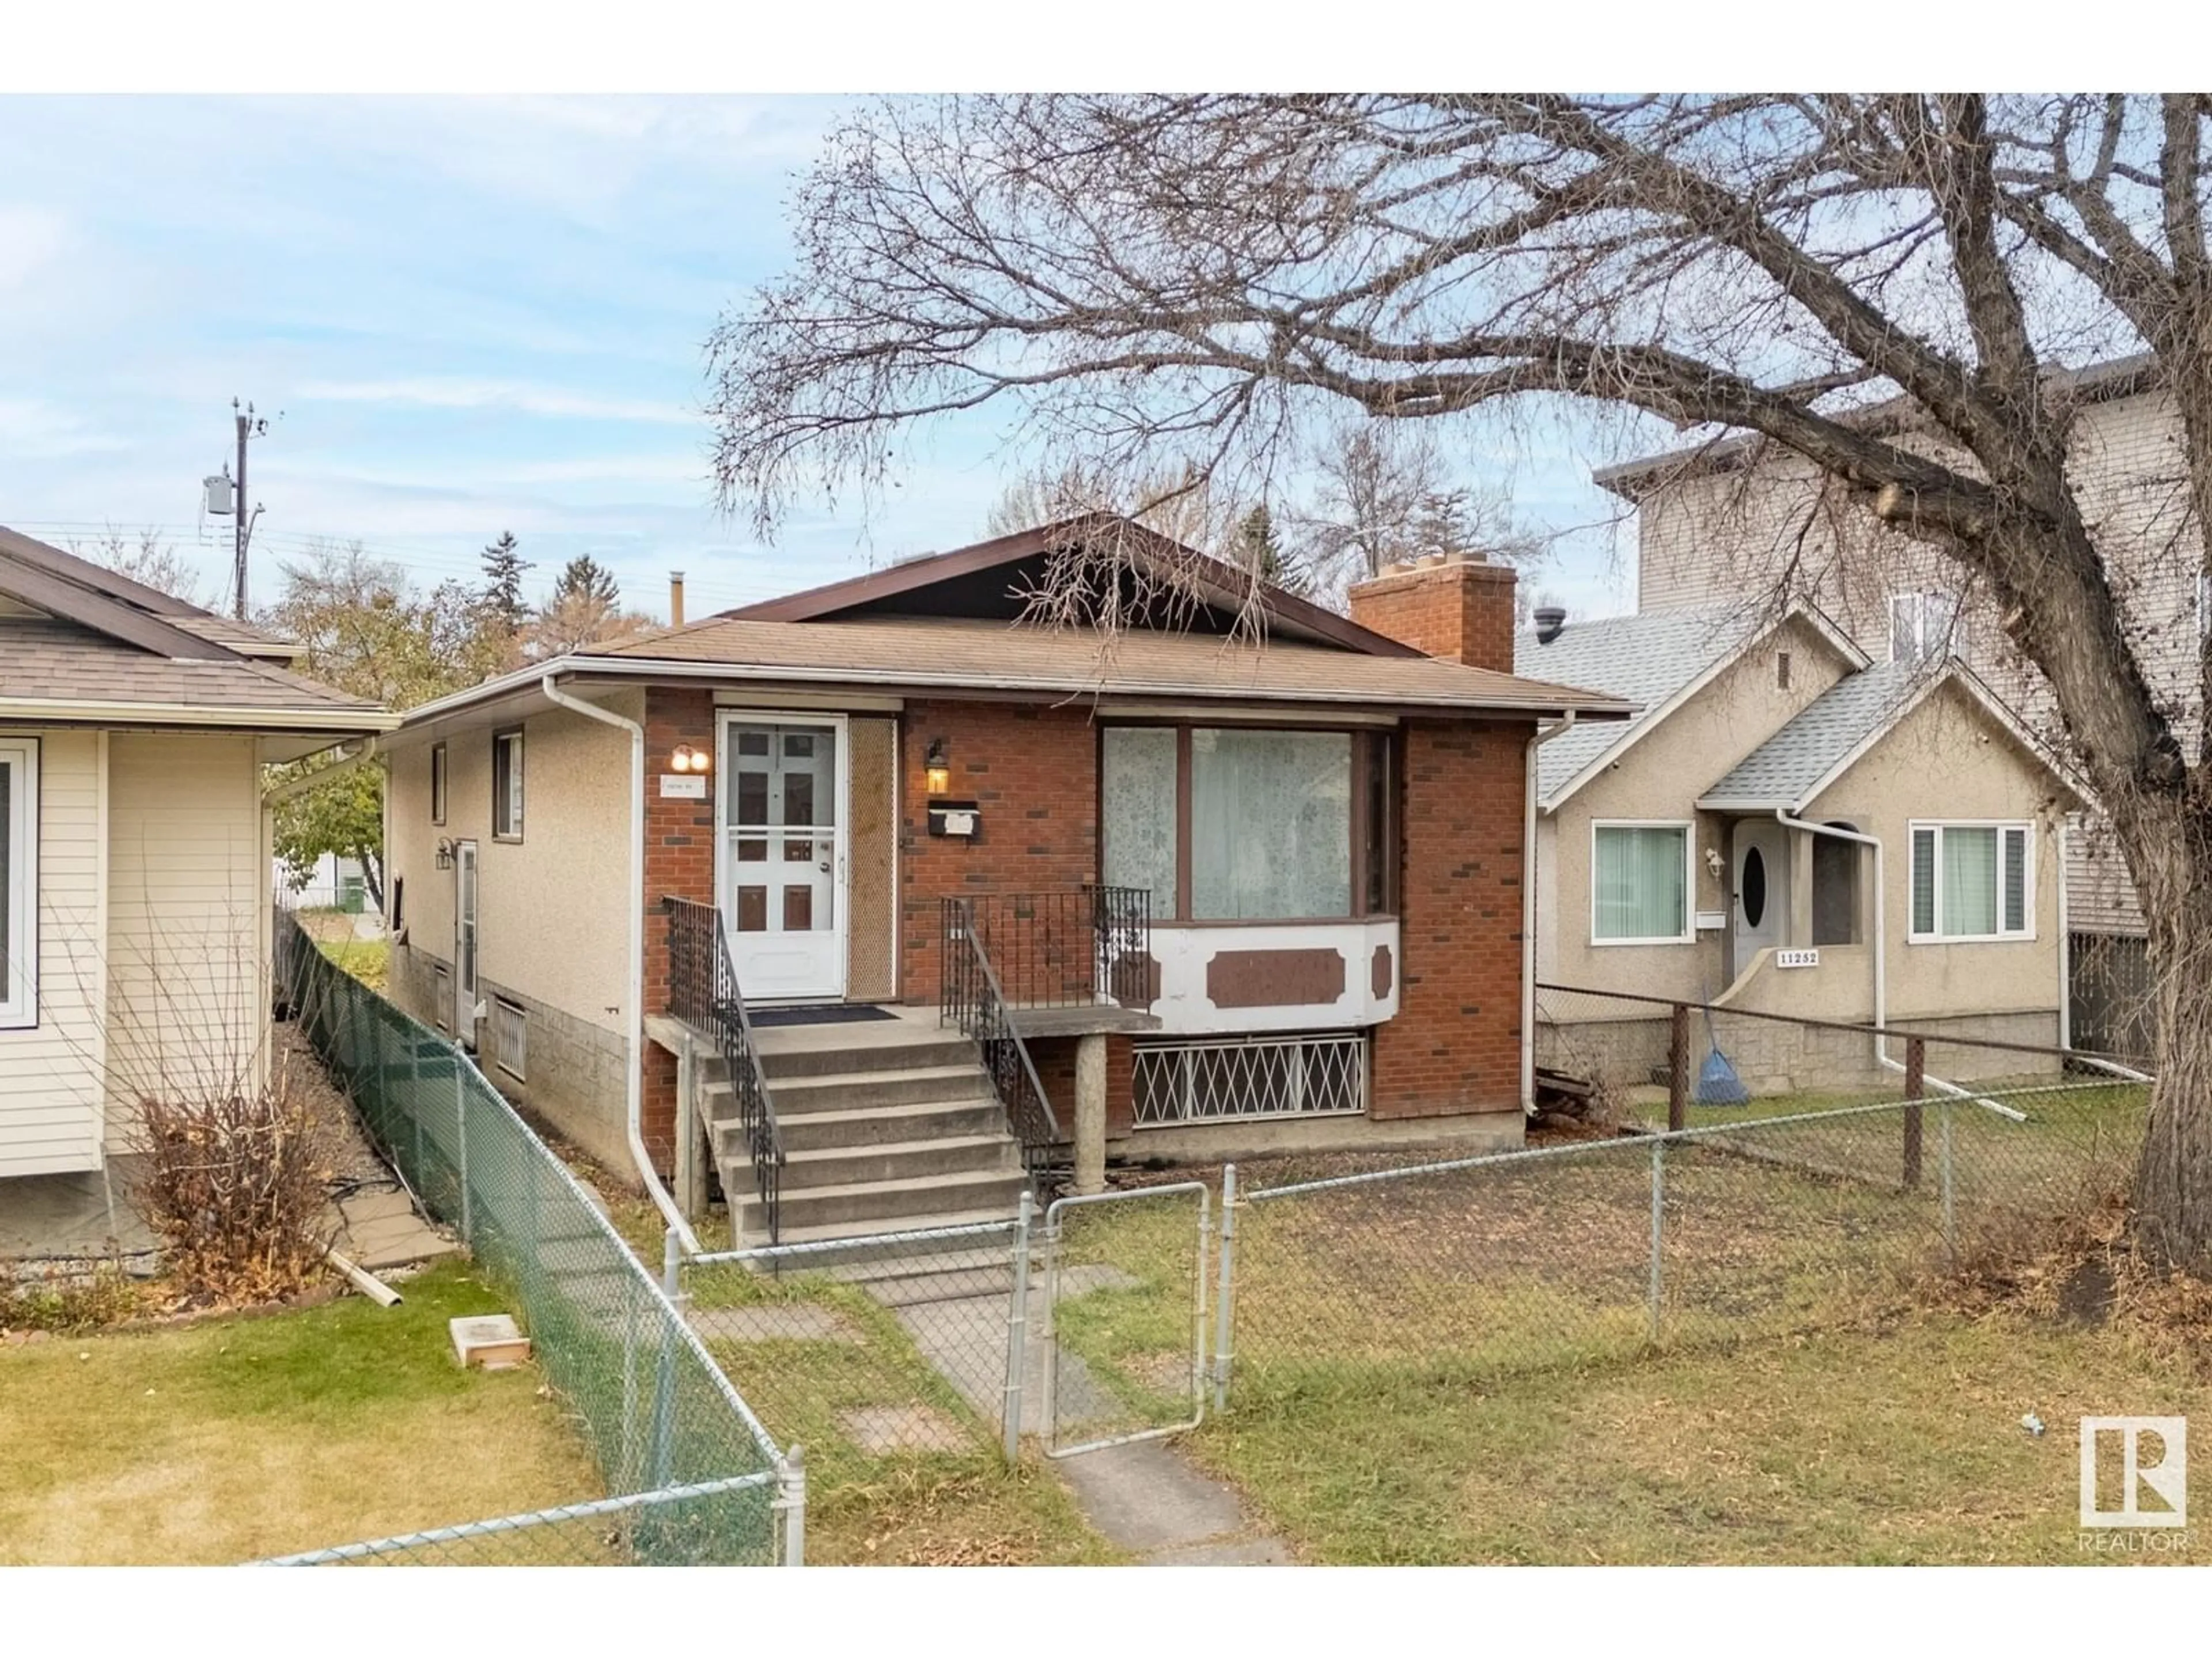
(971, 998)
(1071, 949)
(702, 992)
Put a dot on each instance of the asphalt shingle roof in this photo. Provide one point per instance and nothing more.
(1783, 770)
(1644, 660)
(46, 660)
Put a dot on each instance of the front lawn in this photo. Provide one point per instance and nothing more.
(368, 960)
(247, 1436)
(1903, 1446)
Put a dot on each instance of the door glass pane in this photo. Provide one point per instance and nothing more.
(798, 808)
(798, 746)
(752, 910)
(798, 909)
(750, 807)
(1754, 887)
(752, 741)
(1137, 802)
(1270, 824)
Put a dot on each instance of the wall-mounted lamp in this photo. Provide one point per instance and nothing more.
(1715, 862)
(938, 770)
(445, 853)
(688, 759)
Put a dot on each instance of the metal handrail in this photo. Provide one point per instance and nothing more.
(1069, 948)
(969, 997)
(705, 994)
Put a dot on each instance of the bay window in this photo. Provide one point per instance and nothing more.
(1972, 881)
(19, 881)
(1239, 823)
(1640, 883)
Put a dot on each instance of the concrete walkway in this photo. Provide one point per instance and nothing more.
(1152, 1501)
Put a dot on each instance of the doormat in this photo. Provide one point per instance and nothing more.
(822, 1013)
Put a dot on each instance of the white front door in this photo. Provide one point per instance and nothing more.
(1761, 890)
(783, 854)
(464, 942)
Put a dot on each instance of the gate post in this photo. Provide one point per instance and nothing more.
(1223, 1324)
(1017, 1332)
(790, 1502)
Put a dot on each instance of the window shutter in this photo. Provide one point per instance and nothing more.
(1923, 881)
(2015, 881)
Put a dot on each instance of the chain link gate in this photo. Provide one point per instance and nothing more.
(1125, 1316)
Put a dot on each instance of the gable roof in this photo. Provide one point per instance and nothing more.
(1210, 580)
(923, 653)
(1657, 660)
(1830, 734)
(99, 647)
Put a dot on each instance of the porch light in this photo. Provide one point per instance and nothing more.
(939, 770)
(445, 853)
(688, 759)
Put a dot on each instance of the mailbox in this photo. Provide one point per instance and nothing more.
(962, 818)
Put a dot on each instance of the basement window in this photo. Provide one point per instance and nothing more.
(510, 1038)
(1227, 1079)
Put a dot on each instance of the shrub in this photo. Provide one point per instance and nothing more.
(234, 1187)
(67, 1304)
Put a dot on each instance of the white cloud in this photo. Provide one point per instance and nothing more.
(440, 391)
(34, 429)
(30, 238)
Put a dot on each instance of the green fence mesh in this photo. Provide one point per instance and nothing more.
(689, 1474)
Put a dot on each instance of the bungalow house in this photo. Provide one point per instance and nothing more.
(1788, 828)
(869, 896)
(134, 849)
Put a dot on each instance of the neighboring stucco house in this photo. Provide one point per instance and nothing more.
(1787, 828)
(1735, 521)
(1230, 894)
(134, 849)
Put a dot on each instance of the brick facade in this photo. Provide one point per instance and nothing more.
(1457, 606)
(1456, 1044)
(1033, 773)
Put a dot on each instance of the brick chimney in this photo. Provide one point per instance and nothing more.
(676, 598)
(1456, 605)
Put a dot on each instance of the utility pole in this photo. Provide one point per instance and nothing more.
(249, 426)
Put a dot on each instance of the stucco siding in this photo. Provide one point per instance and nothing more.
(187, 973)
(1660, 777)
(50, 1097)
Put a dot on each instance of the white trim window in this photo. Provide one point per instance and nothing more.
(438, 783)
(506, 785)
(1973, 881)
(1926, 625)
(1641, 881)
(19, 882)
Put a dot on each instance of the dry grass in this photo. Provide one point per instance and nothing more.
(245, 1437)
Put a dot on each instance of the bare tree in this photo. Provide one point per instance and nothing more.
(146, 559)
(1381, 493)
(1882, 285)
(1180, 506)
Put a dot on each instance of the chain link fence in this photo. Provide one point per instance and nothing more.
(690, 1474)
(1594, 1250)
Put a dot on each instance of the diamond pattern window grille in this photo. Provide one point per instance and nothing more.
(1236, 1078)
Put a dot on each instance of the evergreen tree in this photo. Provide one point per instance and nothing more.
(585, 578)
(1256, 549)
(503, 565)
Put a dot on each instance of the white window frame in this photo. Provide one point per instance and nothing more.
(2002, 936)
(1689, 829)
(1954, 636)
(511, 783)
(19, 993)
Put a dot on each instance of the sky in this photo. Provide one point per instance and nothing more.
(465, 316)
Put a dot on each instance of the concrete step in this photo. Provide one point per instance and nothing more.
(913, 1046)
(911, 1160)
(874, 1126)
(852, 1092)
(887, 1206)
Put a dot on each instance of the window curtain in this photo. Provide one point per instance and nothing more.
(2015, 881)
(1270, 824)
(1970, 881)
(1138, 811)
(1642, 883)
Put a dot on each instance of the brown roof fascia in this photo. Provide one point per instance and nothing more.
(29, 571)
(1210, 578)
